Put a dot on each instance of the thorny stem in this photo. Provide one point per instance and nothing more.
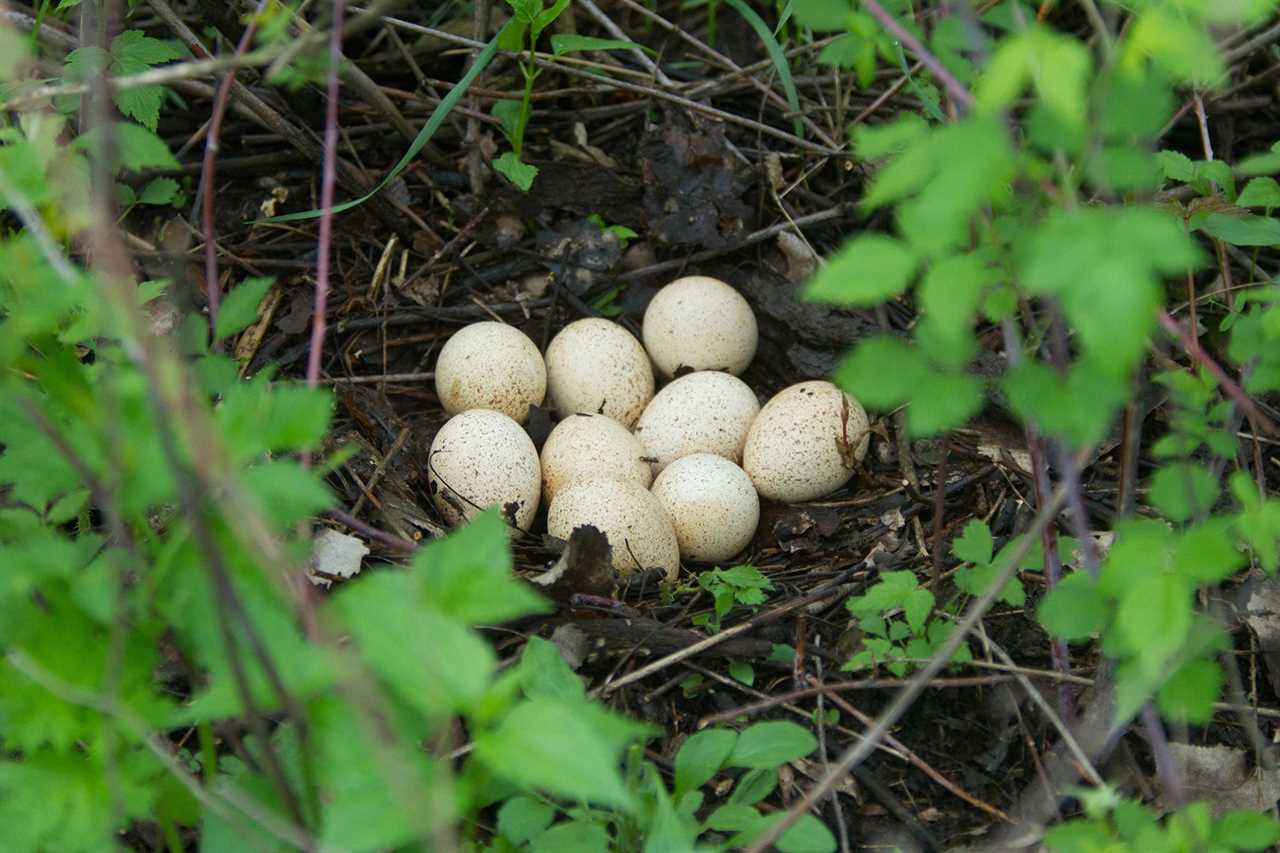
(209, 174)
(327, 178)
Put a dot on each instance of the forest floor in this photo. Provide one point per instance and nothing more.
(704, 164)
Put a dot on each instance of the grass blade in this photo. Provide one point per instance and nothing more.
(778, 58)
(447, 103)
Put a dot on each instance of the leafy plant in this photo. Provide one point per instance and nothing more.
(1113, 823)
(131, 52)
(888, 640)
(741, 585)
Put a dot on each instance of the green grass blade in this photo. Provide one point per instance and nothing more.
(778, 58)
(447, 103)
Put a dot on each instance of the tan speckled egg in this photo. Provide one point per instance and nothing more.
(635, 524)
(598, 367)
(490, 366)
(591, 447)
(700, 323)
(712, 505)
(482, 458)
(703, 412)
(804, 442)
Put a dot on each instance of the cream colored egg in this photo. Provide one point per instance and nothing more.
(700, 323)
(712, 505)
(639, 532)
(482, 458)
(804, 443)
(591, 447)
(490, 366)
(703, 412)
(598, 367)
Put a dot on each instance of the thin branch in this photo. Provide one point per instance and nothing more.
(953, 86)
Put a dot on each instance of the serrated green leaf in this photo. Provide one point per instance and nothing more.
(533, 747)
(942, 401)
(1247, 830)
(1189, 694)
(136, 147)
(1074, 609)
(867, 270)
(522, 819)
(159, 191)
(1241, 230)
(975, 544)
(882, 372)
(239, 308)
(1181, 490)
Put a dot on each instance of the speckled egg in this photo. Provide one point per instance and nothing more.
(482, 458)
(598, 367)
(490, 366)
(591, 447)
(639, 532)
(712, 505)
(700, 323)
(805, 442)
(703, 412)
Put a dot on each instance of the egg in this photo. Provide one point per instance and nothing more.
(805, 442)
(598, 367)
(703, 412)
(712, 505)
(639, 532)
(490, 366)
(482, 458)
(591, 447)
(699, 323)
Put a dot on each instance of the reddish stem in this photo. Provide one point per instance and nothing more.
(1257, 419)
(327, 176)
(209, 172)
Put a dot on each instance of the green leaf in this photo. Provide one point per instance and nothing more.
(1172, 41)
(867, 270)
(917, 607)
(771, 744)
(822, 14)
(943, 401)
(701, 757)
(543, 672)
(1247, 830)
(240, 307)
(755, 785)
(562, 43)
(807, 835)
(522, 819)
(1189, 694)
(975, 544)
(533, 747)
(468, 574)
(1154, 617)
(287, 492)
(1260, 192)
(1207, 552)
(433, 661)
(1074, 609)
(546, 17)
(1078, 836)
(520, 173)
(742, 671)
(159, 191)
(576, 836)
(1181, 490)
(136, 147)
(882, 372)
(1241, 230)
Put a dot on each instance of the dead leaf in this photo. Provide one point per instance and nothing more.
(335, 556)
